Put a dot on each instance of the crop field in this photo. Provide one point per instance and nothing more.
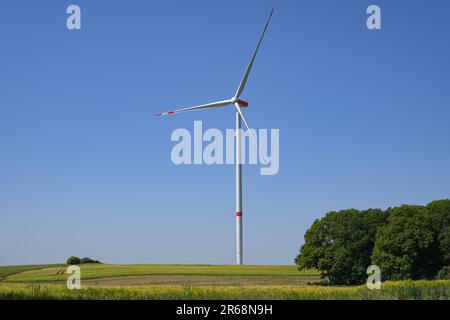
(10, 270)
(125, 275)
(153, 282)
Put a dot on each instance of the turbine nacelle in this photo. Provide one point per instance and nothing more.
(243, 103)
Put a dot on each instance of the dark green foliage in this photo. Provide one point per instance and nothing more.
(407, 242)
(340, 244)
(444, 245)
(405, 247)
(89, 260)
(73, 260)
(439, 214)
(444, 273)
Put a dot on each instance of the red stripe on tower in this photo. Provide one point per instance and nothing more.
(238, 214)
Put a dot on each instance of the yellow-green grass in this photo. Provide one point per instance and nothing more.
(48, 282)
(99, 271)
(435, 290)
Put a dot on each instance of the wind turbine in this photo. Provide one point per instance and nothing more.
(238, 104)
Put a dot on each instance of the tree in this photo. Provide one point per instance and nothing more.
(89, 260)
(73, 260)
(439, 215)
(444, 273)
(340, 244)
(407, 242)
(444, 245)
(405, 248)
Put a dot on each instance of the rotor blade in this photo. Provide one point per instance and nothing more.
(249, 68)
(203, 106)
(238, 108)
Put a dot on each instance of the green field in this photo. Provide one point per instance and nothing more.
(96, 271)
(10, 270)
(194, 275)
(104, 281)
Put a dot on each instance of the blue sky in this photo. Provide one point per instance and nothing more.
(85, 167)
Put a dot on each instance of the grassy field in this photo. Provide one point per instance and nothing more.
(427, 290)
(107, 274)
(198, 282)
(10, 270)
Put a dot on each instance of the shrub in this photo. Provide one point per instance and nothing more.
(73, 260)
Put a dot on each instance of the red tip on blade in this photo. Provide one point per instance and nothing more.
(158, 114)
(171, 112)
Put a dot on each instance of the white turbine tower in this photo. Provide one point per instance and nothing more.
(238, 104)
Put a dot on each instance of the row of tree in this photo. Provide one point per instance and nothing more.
(406, 242)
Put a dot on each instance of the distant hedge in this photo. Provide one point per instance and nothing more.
(75, 260)
(406, 242)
